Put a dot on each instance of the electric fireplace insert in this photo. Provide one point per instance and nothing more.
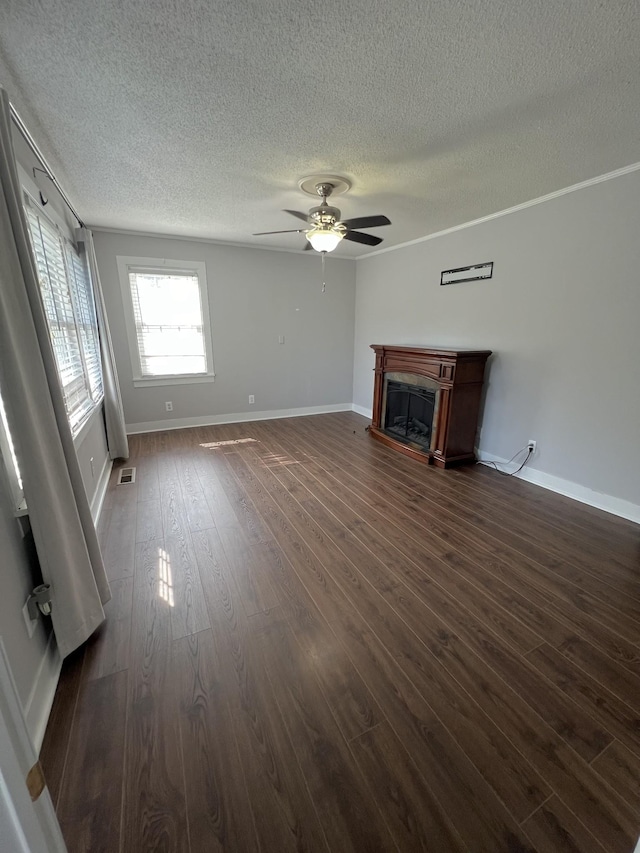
(410, 410)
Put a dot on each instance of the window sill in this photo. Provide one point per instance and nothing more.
(150, 382)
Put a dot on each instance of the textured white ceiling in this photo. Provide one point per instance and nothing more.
(197, 117)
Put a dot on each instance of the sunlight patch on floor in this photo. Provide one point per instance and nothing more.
(211, 445)
(165, 579)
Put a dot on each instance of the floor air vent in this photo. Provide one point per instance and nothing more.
(126, 475)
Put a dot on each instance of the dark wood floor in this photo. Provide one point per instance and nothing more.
(317, 644)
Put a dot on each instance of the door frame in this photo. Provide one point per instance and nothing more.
(26, 825)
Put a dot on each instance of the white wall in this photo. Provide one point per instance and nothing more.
(254, 296)
(562, 316)
(93, 456)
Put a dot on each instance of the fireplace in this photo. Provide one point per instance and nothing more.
(426, 402)
(410, 409)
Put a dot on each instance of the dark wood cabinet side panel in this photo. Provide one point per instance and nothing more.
(463, 420)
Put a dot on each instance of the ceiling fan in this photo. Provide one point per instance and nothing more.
(325, 229)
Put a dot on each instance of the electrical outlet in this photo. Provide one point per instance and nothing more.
(531, 445)
(29, 622)
(280, 339)
(252, 399)
(168, 406)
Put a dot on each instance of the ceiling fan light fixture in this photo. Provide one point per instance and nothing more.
(324, 239)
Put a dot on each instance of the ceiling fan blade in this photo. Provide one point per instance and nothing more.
(299, 214)
(367, 222)
(359, 237)
(307, 247)
(292, 231)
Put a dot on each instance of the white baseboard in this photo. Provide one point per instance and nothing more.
(38, 706)
(608, 503)
(235, 418)
(101, 490)
(361, 410)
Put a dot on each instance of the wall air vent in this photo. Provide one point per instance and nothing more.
(126, 475)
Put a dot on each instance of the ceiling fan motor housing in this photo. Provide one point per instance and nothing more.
(324, 214)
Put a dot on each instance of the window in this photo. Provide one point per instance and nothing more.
(8, 454)
(167, 320)
(69, 308)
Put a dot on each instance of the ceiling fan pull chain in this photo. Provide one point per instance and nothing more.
(324, 283)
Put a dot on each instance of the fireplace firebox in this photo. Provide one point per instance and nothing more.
(409, 412)
(426, 402)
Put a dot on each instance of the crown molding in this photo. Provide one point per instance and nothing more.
(608, 176)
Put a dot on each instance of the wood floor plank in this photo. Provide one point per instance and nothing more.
(246, 514)
(218, 807)
(195, 505)
(350, 820)
(118, 548)
(285, 818)
(608, 818)
(416, 820)
(620, 768)
(614, 714)
(351, 703)
(146, 477)
(154, 815)
(174, 516)
(256, 592)
(90, 802)
(55, 745)
(480, 818)
(184, 587)
(608, 672)
(217, 501)
(149, 521)
(107, 651)
(565, 717)
(553, 828)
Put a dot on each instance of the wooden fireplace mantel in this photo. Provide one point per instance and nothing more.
(459, 375)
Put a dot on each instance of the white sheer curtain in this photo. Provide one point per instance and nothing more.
(113, 412)
(59, 514)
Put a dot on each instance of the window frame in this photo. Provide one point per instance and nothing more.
(127, 264)
(69, 245)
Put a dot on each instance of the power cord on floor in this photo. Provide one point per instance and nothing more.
(529, 451)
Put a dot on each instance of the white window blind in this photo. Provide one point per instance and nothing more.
(70, 311)
(169, 322)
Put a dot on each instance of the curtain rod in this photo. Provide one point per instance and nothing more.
(33, 145)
